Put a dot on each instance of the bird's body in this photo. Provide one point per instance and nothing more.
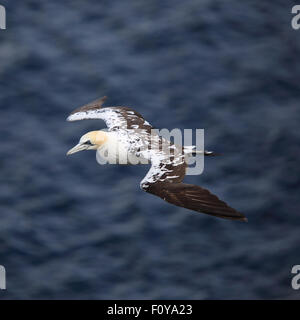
(130, 139)
(118, 150)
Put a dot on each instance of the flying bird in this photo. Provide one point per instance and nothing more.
(128, 134)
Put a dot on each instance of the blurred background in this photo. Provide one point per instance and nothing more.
(71, 229)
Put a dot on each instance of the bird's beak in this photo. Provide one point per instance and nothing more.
(78, 147)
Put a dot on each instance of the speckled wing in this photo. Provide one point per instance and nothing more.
(114, 117)
(165, 181)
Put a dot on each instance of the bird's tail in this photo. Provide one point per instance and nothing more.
(191, 151)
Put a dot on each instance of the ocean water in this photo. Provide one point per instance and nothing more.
(71, 229)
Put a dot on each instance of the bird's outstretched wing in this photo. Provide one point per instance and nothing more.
(165, 181)
(114, 117)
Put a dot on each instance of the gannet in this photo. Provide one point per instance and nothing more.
(133, 134)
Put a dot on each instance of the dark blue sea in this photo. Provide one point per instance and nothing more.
(71, 229)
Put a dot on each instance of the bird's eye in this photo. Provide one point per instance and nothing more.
(88, 143)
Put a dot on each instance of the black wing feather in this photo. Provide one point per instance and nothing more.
(195, 198)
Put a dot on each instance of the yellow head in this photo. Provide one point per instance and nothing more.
(90, 141)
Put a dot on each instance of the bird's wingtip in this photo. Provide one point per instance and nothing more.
(72, 117)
